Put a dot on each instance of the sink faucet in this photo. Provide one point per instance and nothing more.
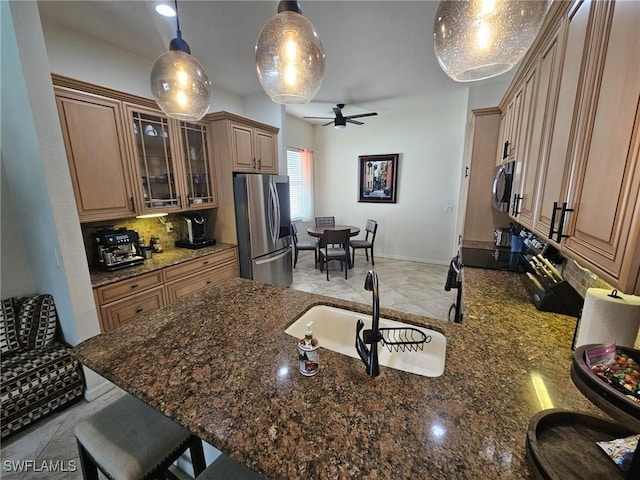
(371, 337)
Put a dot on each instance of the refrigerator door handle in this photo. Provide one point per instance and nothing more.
(273, 211)
(271, 259)
(276, 232)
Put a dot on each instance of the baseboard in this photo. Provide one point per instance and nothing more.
(90, 394)
(408, 259)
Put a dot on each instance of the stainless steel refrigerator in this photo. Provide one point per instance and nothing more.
(263, 223)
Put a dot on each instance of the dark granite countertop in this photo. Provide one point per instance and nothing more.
(219, 363)
(170, 256)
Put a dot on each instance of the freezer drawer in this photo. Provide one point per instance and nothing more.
(275, 268)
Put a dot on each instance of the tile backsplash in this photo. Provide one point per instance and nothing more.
(581, 278)
(146, 227)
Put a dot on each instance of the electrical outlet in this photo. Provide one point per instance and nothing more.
(169, 226)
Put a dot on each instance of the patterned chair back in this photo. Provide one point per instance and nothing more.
(325, 221)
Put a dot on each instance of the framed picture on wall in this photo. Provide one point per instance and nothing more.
(378, 178)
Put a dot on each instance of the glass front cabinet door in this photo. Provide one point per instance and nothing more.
(199, 174)
(155, 164)
(173, 162)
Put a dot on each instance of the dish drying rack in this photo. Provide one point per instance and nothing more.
(403, 339)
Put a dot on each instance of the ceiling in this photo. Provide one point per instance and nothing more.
(379, 54)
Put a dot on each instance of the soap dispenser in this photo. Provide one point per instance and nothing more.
(308, 354)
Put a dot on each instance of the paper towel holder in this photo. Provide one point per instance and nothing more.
(614, 294)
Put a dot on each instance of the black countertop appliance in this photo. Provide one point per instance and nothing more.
(116, 249)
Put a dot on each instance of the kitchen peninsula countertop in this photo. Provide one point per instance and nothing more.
(219, 363)
(170, 256)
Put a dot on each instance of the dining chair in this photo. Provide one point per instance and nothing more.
(334, 245)
(303, 245)
(367, 244)
(325, 221)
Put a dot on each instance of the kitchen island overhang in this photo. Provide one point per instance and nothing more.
(219, 363)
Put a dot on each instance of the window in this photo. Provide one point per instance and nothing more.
(300, 171)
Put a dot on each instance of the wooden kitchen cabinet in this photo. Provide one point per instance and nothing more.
(121, 301)
(584, 137)
(249, 146)
(214, 274)
(127, 158)
(184, 269)
(114, 314)
(604, 227)
(539, 92)
(95, 142)
(253, 149)
(173, 166)
(154, 160)
(236, 142)
(555, 162)
(124, 300)
(481, 219)
(523, 186)
(198, 173)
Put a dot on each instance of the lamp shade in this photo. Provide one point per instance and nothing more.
(290, 59)
(478, 39)
(180, 86)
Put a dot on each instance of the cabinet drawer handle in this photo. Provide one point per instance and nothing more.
(259, 164)
(505, 150)
(253, 162)
(139, 310)
(133, 206)
(134, 286)
(208, 282)
(206, 263)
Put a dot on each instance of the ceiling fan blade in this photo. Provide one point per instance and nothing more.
(363, 115)
(353, 121)
(319, 118)
(328, 123)
(337, 111)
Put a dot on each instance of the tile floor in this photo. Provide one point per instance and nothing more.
(405, 286)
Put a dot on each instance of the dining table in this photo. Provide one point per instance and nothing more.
(317, 232)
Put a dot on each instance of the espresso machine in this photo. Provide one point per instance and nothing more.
(116, 249)
(193, 232)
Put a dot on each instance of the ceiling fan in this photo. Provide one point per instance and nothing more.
(340, 121)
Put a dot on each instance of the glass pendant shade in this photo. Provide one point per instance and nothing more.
(181, 86)
(478, 39)
(290, 59)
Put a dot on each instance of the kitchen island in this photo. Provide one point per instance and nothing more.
(219, 363)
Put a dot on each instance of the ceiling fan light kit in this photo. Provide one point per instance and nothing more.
(290, 58)
(179, 83)
(479, 39)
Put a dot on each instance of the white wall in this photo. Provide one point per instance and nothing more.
(35, 165)
(16, 279)
(78, 56)
(430, 144)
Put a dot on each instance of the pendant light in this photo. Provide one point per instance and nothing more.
(478, 39)
(290, 56)
(179, 83)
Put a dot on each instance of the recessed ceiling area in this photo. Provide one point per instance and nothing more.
(379, 54)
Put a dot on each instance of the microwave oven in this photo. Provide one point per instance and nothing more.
(501, 190)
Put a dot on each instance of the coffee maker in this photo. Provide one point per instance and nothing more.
(193, 232)
(116, 249)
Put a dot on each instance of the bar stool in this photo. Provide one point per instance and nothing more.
(226, 468)
(128, 440)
